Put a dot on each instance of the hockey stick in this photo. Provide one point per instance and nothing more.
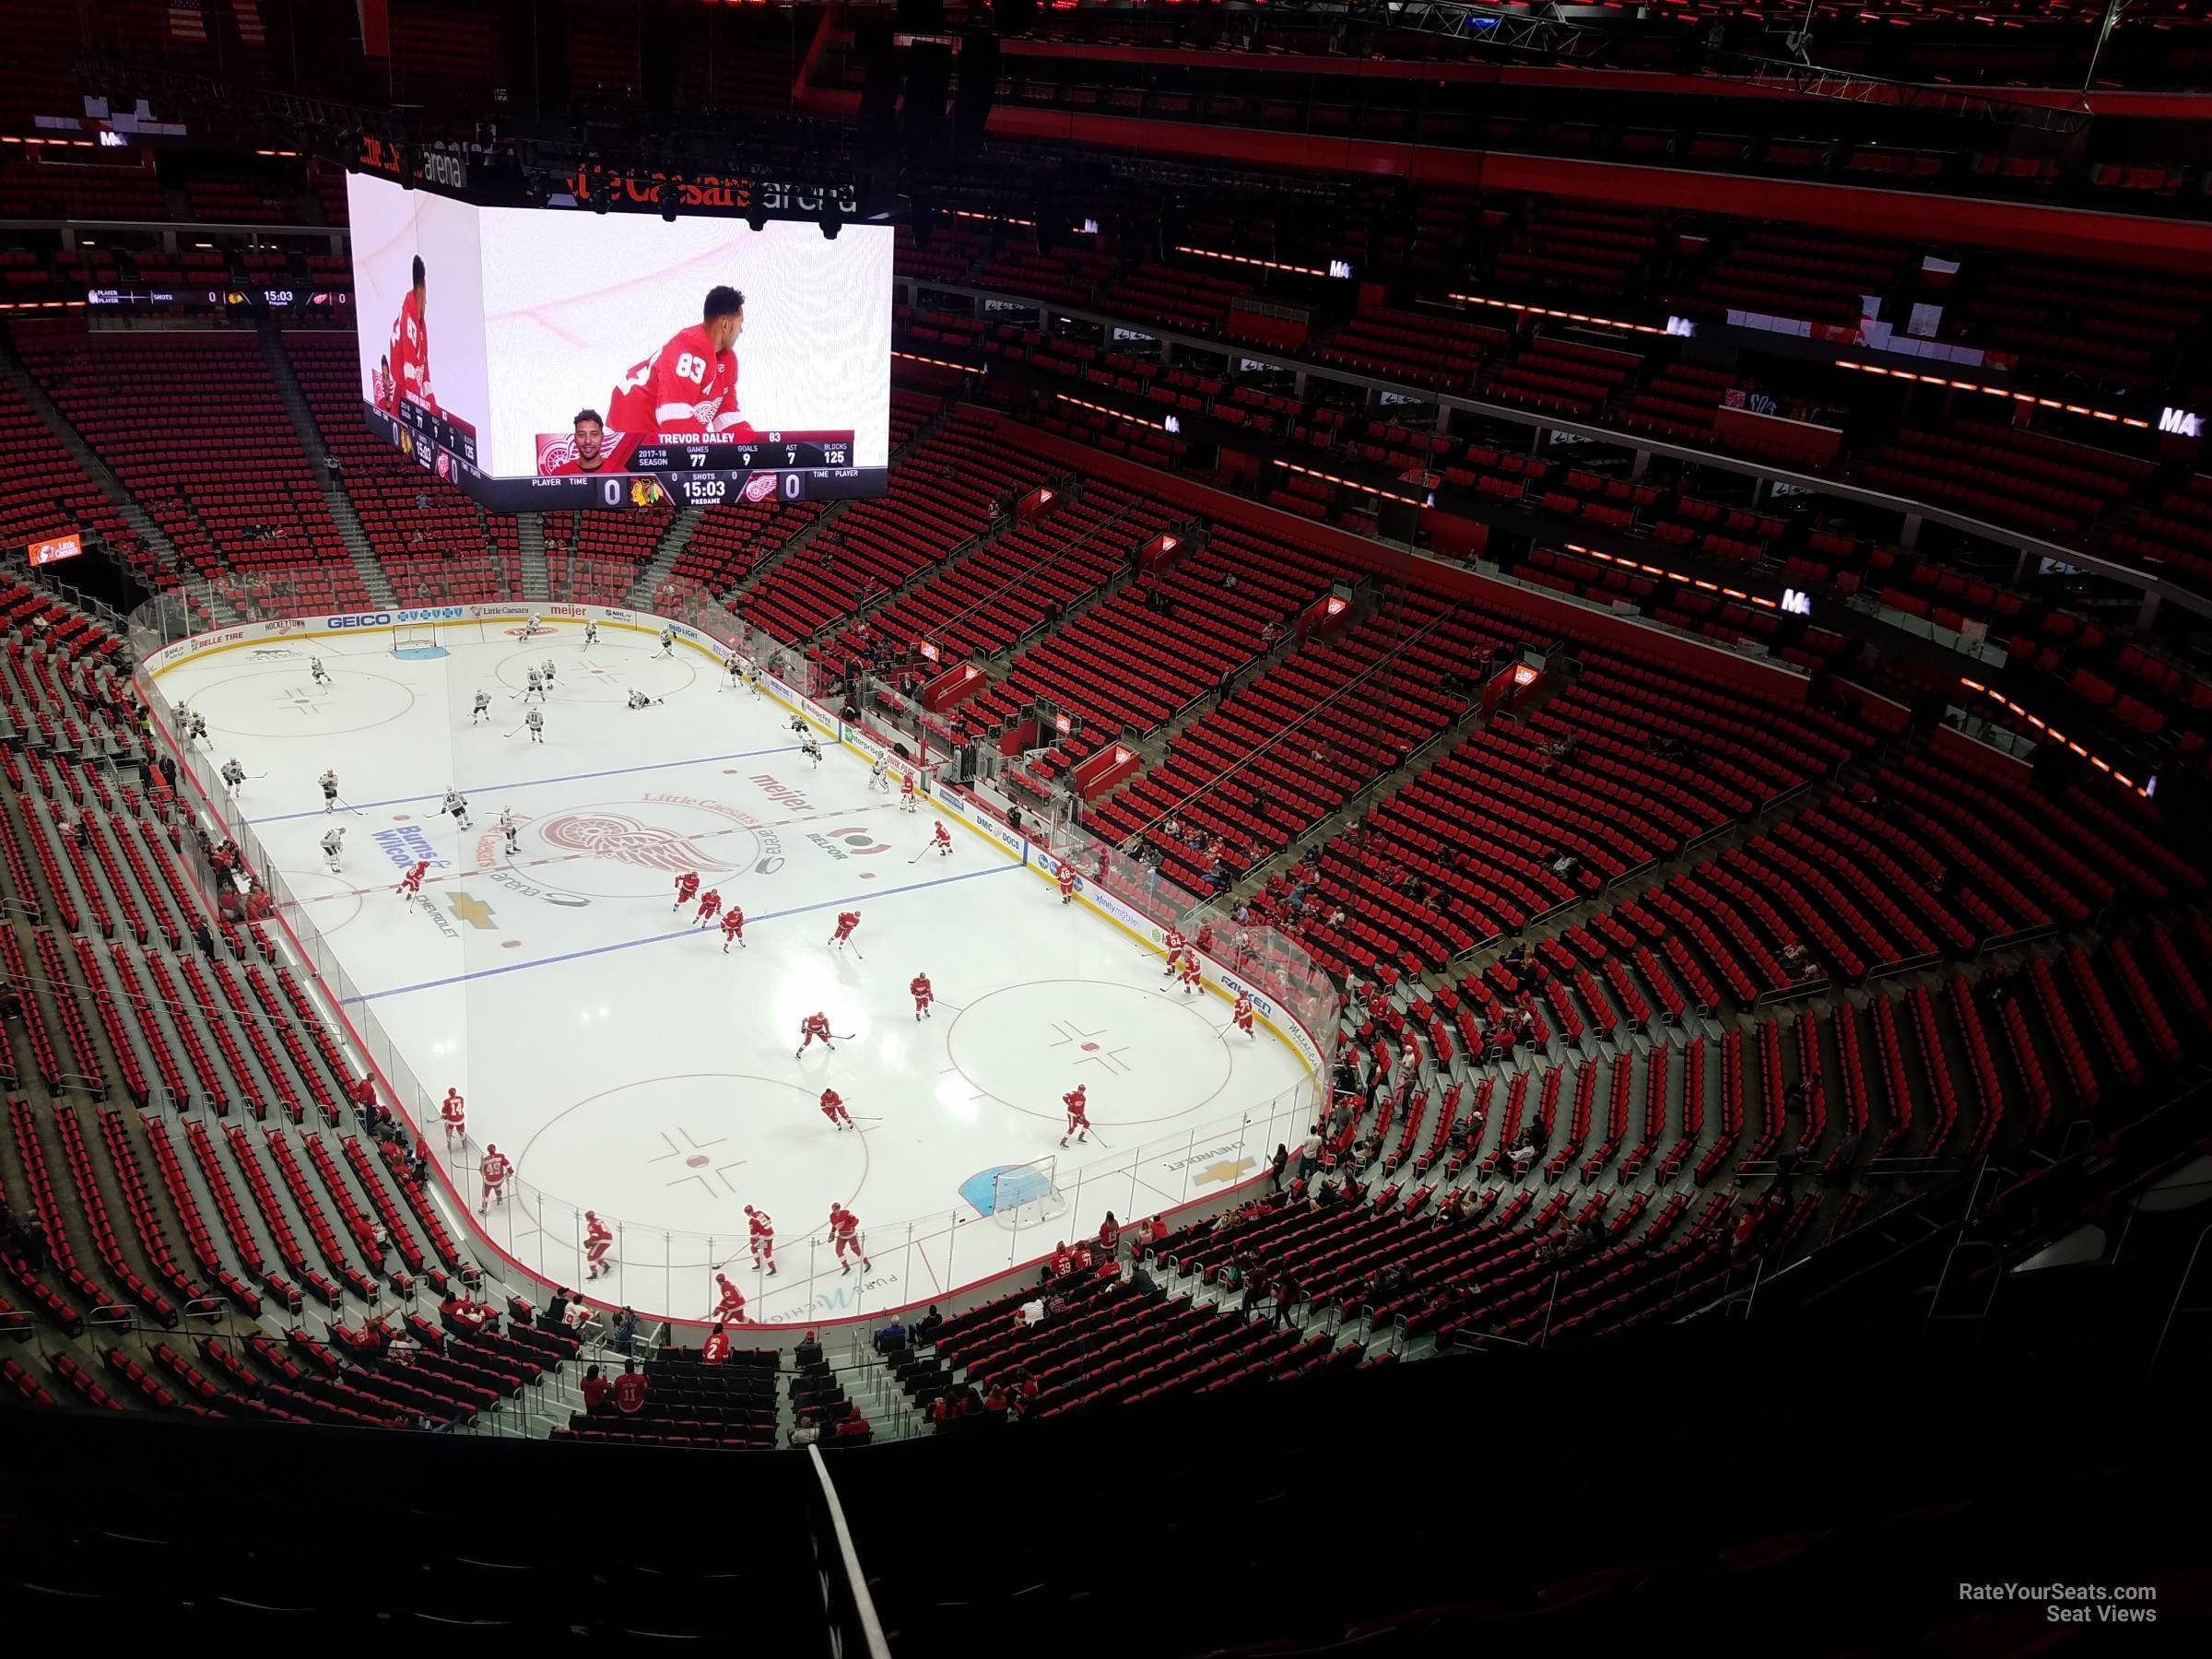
(844, 1036)
(917, 858)
(257, 774)
(351, 807)
(858, 952)
(516, 729)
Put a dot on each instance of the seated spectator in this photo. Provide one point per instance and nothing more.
(715, 1350)
(892, 1338)
(927, 1326)
(809, 1351)
(629, 1389)
(804, 1432)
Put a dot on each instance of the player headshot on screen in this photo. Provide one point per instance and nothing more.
(387, 395)
(410, 356)
(589, 439)
(688, 388)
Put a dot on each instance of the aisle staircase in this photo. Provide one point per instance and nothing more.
(334, 500)
(530, 538)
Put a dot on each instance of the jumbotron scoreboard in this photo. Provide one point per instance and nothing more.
(772, 467)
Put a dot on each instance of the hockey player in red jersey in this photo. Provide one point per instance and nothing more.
(730, 1310)
(833, 1108)
(1066, 876)
(495, 1170)
(410, 352)
(923, 995)
(710, 901)
(762, 1228)
(688, 388)
(1242, 1014)
(846, 922)
(410, 885)
(1190, 973)
(598, 1238)
(1078, 1102)
(941, 839)
(844, 1232)
(813, 1028)
(906, 792)
(1175, 944)
(686, 885)
(733, 929)
(454, 1115)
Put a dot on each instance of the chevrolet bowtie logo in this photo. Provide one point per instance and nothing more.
(469, 908)
(1225, 1172)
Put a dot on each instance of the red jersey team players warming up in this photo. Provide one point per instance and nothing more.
(495, 1170)
(1066, 876)
(923, 995)
(410, 885)
(688, 388)
(733, 928)
(730, 1310)
(762, 1228)
(846, 922)
(833, 1108)
(454, 1115)
(844, 1232)
(598, 1238)
(941, 839)
(814, 1028)
(709, 902)
(1078, 1102)
(686, 885)
(1242, 1014)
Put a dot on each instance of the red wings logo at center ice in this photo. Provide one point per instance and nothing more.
(610, 835)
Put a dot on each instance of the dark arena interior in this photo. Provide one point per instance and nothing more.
(1498, 708)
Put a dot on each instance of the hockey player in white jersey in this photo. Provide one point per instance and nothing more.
(329, 781)
(234, 774)
(483, 709)
(879, 774)
(591, 635)
(509, 826)
(732, 670)
(456, 807)
(317, 672)
(547, 671)
(536, 687)
(199, 730)
(639, 699)
(536, 721)
(810, 745)
(668, 643)
(334, 842)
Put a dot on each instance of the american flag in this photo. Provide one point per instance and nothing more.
(249, 31)
(185, 22)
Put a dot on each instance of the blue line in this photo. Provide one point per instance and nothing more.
(689, 932)
(786, 748)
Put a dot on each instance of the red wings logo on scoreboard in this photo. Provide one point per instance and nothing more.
(761, 487)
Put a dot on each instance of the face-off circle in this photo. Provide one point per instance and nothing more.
(285, 703)
(680, 1156)
(1146, 1058)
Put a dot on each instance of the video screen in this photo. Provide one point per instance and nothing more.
(546, 359)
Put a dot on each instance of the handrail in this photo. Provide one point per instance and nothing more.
(1386, 660)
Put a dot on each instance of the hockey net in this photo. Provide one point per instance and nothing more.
(1026, 1196)
(413, 636)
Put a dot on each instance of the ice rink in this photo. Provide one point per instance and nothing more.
(629, 1065)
